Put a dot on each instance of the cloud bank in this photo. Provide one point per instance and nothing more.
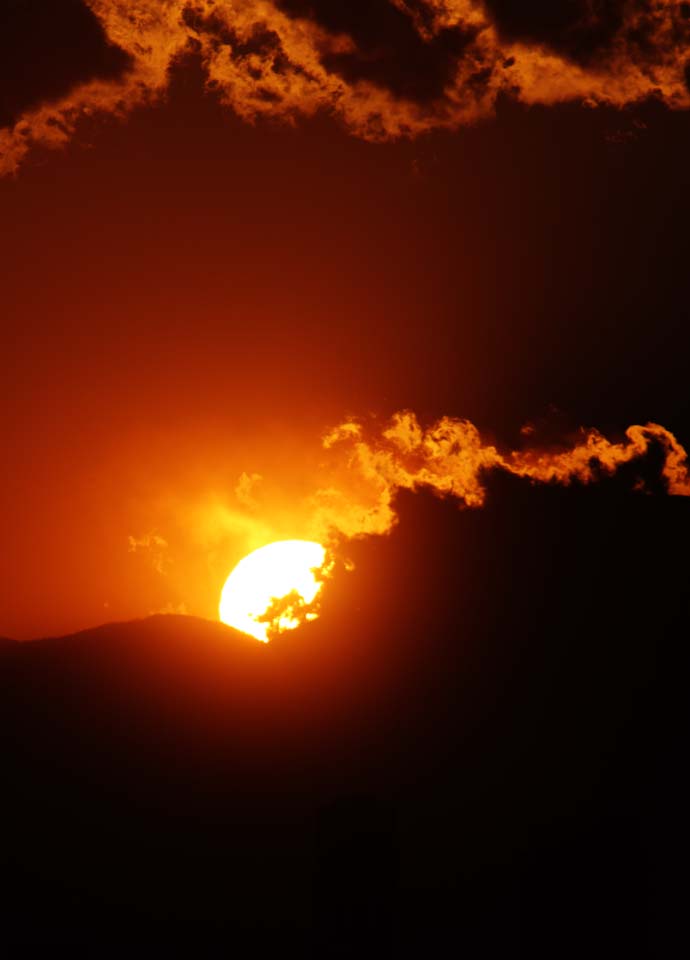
(349, 490)
(385, 68)
(371, 465)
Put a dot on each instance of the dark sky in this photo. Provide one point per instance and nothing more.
(215, 251)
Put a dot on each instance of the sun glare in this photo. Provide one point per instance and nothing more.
(274, 588)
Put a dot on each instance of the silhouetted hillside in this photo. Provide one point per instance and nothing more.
(471, 751)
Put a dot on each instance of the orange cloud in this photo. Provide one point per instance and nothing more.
(407, 67)
(244, 491)
(350, 490)
(155, 548)
(451, 458)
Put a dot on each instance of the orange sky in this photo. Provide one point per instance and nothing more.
(188, 297)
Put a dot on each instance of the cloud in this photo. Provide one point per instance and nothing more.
(351, 491)
(155, 548)
(384, 68)
(48, 47)
(179, 609)
(450, 458)
(244, 491)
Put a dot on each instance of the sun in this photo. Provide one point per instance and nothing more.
(275, 588)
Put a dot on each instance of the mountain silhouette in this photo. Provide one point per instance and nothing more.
(472, 749)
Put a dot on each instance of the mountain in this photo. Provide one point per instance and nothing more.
(474, 748)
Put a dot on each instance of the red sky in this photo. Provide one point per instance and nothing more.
(188, 296)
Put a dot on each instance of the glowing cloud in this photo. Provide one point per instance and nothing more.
(155, 548)
(349, 491)
(449, 457)
(402, 68)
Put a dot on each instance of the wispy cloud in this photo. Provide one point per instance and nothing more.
(154, 548)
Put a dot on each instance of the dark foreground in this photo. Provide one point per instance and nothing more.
(475, 752)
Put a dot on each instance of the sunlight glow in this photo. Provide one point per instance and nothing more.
(274, 589)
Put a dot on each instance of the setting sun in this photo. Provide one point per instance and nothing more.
(274, 588)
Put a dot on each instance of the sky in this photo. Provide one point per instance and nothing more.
(228, 230)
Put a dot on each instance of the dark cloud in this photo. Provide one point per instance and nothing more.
(386, 68)
(260, 42)
(389, 50)
(577, 29)
(47, 47)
